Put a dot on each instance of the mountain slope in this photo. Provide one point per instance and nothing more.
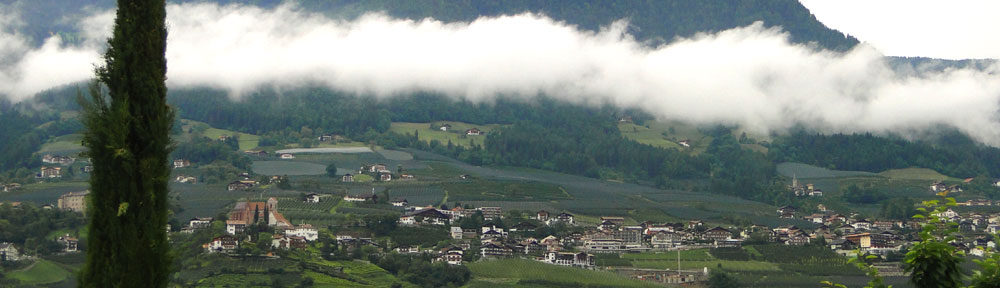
(657, 21)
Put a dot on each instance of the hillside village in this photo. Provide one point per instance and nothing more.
(551, 237)
(463, 234)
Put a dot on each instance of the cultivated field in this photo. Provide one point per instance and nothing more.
(456, 134)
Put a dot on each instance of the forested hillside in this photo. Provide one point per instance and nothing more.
(655, 20)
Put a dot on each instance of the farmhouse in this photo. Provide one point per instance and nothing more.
(49, 172)
(312, 198)
(385, 177)
(286, 156)
(542, 215)
(198, 223)
(305, 230)
(224, 243)
(786, 209)
(70, 244)
(425, 216)
(451, 255)
(570, 259)
(258, 153)
(57, 159)
(562, 218)
(74, 201)
(8, 252)
(445, 127)
(473, 132)
(243, 215)
(399, 202)
(10, 187)
(362, 198)
(347, 178)
(718, 234)
(241, 185)
(686, 143)
(181, 163)
(185, 179)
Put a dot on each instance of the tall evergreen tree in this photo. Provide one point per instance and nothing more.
(127, 137)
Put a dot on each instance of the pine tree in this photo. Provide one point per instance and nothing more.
(127, 138)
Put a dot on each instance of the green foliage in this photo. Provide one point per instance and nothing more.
(31, 228)
(953, 154)
(419, 270)
(866, 195)
(899, 208)
(933, 262)
(862, 262)
(127, 137)
(719, 279)
(331, 170)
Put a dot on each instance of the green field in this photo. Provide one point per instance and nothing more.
(456, 135)
(63, 144)
(480, 190)
(510, 271)
(917, 174)
(41, 272)
(291, 168)
(247, 141)
(659, 134)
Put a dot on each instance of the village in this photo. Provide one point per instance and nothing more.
(256, 227)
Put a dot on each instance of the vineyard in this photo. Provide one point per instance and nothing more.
(417, 195)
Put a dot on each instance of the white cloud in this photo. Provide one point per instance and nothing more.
(750, 76)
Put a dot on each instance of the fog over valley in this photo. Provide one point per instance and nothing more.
(751, 76)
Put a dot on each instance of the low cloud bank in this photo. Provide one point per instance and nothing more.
(749, 76)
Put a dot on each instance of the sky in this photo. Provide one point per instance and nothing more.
(751, 76)
(967, 29)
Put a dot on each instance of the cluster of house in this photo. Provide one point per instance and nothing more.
(57, 159)
(496, 242)
(9, 187)
(286, 236)
(49, 172)
(845, 234)
(379, 172)
(807, 190)
(469, 132)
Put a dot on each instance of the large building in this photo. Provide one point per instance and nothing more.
(243, 215)
(75, 201)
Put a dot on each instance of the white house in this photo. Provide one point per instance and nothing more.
(305, 230)
(312, 198)
(8, 252)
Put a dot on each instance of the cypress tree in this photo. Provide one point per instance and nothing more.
(126, 134)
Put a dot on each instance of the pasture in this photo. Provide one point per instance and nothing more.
(66, 144)
(666, 135)
(40, 273)
(456, 134)
(246, 141)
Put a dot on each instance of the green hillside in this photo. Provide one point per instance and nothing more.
(658, 20)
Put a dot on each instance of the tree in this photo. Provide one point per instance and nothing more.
(127, 136)
(331, 170)
(719, 279)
